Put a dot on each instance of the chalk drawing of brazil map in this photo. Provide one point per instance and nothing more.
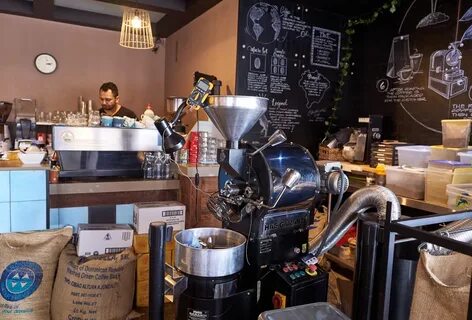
(314, 85)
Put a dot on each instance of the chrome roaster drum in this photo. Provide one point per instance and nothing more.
(277, 232)
(266, 169)
(212, 259)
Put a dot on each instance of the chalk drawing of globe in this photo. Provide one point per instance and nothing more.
(263, 22)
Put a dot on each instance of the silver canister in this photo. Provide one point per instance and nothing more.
(209, 252)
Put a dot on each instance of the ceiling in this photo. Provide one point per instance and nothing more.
(167, 16)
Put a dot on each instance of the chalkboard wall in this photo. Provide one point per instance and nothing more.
(289, 52)
(415, 67)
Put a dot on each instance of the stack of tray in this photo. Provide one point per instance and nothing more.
(385, 152)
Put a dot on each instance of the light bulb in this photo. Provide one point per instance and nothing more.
(136, 22)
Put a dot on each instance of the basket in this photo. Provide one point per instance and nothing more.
(326, 153)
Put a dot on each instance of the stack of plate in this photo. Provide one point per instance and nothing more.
(385, 152)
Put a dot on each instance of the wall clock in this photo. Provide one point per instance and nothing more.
(45, 63)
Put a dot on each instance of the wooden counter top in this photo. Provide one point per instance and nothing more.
(6, 165)
(125, 185)
(107, 192)
(204, 170)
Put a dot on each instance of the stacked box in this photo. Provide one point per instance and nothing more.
(170, 212)
(141, 247)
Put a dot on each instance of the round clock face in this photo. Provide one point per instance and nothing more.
(45, 63)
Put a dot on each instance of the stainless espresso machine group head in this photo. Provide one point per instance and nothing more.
(266, 193)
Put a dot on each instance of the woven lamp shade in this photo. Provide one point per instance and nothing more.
(136, 30)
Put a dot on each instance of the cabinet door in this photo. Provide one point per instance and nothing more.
(28, 215)
(4, 217)
(27, 185)
(4, 186)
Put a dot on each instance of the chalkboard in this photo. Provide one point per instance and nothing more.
(416, 67)
(289, 52)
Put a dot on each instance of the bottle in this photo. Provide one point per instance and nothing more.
(167, 171)
(148, 166)
(149, 112)
(380, 175)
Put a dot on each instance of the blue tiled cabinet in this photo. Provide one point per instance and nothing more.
(23, 200)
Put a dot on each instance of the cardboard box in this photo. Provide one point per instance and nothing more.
(142, 267)
(142, 293)
(95, 239)
(141, 243)
(170, 212)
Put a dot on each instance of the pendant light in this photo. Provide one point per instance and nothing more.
(136, 30)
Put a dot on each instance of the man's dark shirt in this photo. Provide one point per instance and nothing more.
(123, 112)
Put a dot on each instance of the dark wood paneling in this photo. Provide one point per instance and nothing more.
(95, 199)
(43, 9)
(20, 7)
(197, 213)
(87, 19)
(164, 6)
(172, 22)
(178, 13)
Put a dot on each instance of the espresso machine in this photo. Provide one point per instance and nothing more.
(89, 152)
(266, 196)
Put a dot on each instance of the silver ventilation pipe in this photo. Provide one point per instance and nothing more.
(458, 230)
(361, 200)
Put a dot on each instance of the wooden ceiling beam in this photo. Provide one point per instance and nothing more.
(43, 9)
(163, 6)
(172, 22)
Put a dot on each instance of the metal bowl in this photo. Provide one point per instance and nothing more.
(219, 252)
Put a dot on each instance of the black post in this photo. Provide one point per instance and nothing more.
(367, 247)
(157, 242)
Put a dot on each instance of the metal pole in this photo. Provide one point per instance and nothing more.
(157, 240)
(364, 277)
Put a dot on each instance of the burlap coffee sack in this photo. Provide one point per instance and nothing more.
(96, 287)
(442, 287)
(28, 264)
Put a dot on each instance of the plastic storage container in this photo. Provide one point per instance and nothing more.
(312, 311)
(459, 196)
(465, 157)
(407, 182)
(436, 181)
(456, 133)
(443, 153)
(440, 175)
(414, 156)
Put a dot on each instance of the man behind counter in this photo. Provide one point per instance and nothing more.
(110, 102)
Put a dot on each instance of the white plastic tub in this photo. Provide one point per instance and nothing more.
(414, 156)
(459, 196)
(443, 153)
(436, 181)
(456, 133)
(406, 182)
(465, 157)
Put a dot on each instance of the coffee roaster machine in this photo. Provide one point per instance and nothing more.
(260, 259)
